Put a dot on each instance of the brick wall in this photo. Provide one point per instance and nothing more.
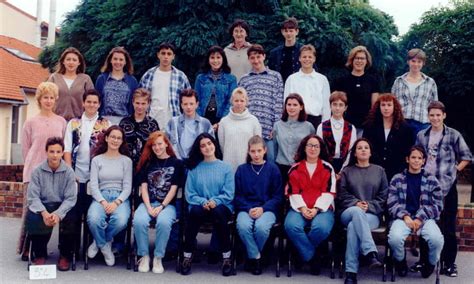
(11, 199)
(465, 228)
(11, 173)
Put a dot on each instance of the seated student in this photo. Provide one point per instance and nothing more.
(111, 185)
(415, 202)
(209, 193)
(311, 191)
(51, 196)
(258, 197)
(362, 194)
(338, 134)
(161, 173)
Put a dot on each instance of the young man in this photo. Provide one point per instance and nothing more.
(415, 201)
(182, 130)
(284, 58)
(312, 86)
(447, 153)
(165, 82)
(265, 93)
(51, 196)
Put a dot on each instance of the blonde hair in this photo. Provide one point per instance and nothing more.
(416, 53)
(354, 51)
(44, 89)
(239, 91)
(308, 47)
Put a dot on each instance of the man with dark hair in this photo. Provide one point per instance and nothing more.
(51, 196)
(165, 82)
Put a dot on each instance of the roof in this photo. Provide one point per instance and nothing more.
(17, 73)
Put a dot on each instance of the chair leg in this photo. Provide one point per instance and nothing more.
(29, 252)
(128, 240)
(233, 253)
(341, 269)
(437, 272)
(86, 245)
(289, 248)
(333, 264)
(279, 253)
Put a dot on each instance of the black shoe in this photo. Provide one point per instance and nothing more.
(416, 267)
(249, 265)
(227, 266)
(427, 269)
(401, 267)
(186, 266)
(373, 260)
(257, 268)
(351, 278)
(451, 271)
(315, 265)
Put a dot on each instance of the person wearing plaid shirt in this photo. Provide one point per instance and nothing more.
(165, 82)
(447, 153)
(415, 91)
(415, 201)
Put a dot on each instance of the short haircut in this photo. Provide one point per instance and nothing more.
(54, 141)
(308, 47)
(239, 23)
(188, 93)
(436, 105)
(418, 148)
(290, 23)
(239, 91)
(338, 96)
(416, 53)
(353, 53)
(166, 45)
(142, 93)
(302, 116)
(255, 48)
(91, 92)
(45, 88)
(128, 67)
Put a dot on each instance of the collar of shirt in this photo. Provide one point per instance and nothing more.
(423, 76)
(253, 72)
(85, 118)
(182, 118)
(312, 74)
(233, 47)
(109, 77)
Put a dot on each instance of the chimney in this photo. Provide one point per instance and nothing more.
(52, 22)
(39, 9)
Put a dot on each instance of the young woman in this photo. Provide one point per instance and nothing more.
(288, 133)
(116, 85)
(72, 83)
(161, 173)
(362, 195)
(236, 129)
(111, 184)
(209, 193)
(390, 136)
(236, 51)
(258, 198)
(311, 191)
(338, 134)
(214, 87)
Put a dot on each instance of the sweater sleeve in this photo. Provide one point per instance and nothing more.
(345, 197)
(239, 199)
(26, 139)
(276, 192)
(377, 205)
(221, 134)
(94, 181)
(127, 179)
(34, 192)
(431, 209)
(226, 193)
(192, 197)
(327, 198)
(326, 111)
(278, 96)
(70, 194)
(396, 209)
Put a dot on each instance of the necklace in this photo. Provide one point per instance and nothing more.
(257, 172)
(337, 125)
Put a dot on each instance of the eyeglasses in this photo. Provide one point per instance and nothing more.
(118, 138)
(310, 146)
(360, 58)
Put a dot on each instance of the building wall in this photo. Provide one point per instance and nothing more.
(5, 133)
(16, 24)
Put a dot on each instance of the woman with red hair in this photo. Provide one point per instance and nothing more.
(390, 135)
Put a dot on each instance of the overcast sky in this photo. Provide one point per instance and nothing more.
(404, 12)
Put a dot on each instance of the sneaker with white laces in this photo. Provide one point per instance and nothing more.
(157, 265)
(92, 250)
(108, 254)
(144, 264)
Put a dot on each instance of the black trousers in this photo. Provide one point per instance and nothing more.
(219, 216)
(82, 205)
(284, 174)
(448, 227)
(315, 120)
(40, 234)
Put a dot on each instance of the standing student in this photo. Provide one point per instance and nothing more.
(312, 86)
(165, 82)
(447, 154)
(116, 85)
(236, 51)
(72, 83)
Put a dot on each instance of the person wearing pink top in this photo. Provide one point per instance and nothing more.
(36, 131)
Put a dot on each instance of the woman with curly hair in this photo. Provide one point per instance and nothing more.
(390, 135)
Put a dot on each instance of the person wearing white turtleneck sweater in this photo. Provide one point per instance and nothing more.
(236, 128)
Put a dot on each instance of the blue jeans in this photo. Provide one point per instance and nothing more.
(164, 222)
(430, 232)
(270, 150)
(104, 227)
(254, 232)
(359, 236)
(306, 243)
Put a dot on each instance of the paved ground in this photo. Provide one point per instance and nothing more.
(13, 270)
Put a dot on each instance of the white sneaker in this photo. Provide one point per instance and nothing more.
(108, 254)
(144, 264)
(92, 250)
(157, 265)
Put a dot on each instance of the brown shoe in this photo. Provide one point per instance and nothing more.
(39, 261)
(63, 264)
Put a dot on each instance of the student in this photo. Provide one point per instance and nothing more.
(415, 201)
(361, 199)
(236, 51)
(182, 130)
(209, 193)
(258, 200)
(311, 191)
(51, 196)
(165, 82)
(116, 85)
(161, 174)
(447, 154)
(265, 92)
(111, 185)
(338, 133)
(312, 86)
(284, 58)
(415, 91)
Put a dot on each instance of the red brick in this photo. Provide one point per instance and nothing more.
(469, 242)
(466, 248)
(468, 229)
(466, 235)
(469, 222)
